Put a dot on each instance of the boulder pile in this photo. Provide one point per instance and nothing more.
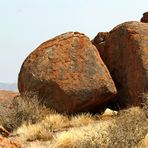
(72, 74)
(68, 73)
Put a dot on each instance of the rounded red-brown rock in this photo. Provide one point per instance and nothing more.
(126, 55)
(7, 143)
(144, 19)
(68, 74)
(99, 41)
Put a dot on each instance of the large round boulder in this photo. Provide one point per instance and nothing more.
(125, 53)
(68, 74)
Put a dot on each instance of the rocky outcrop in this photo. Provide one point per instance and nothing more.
(126, 55)
(6, 143)
(68, 74)
(144, 19)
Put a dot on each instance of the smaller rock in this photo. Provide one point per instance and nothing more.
(99, 42)
(6, 143)
(109, 112)
(144, 19)
(4, 132)
(101, 37)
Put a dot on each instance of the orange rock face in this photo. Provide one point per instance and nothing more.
(4, 132)
(126, 55)
(68, 74)
(144, 19)
(6, 143)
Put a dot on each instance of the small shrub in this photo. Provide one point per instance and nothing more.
(82, 119)
(32, 132)
(26, 109)
(129, 128)
(55, 122)
(52, 123)
(66, 140)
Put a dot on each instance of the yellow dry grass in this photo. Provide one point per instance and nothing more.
(31, 132)
(53, 122)
(84, 131)
(56, 121)
(82, 119)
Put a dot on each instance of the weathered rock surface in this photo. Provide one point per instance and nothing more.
(126, 55)
(68, 74)
(101, 37)
(144, 19)
(4, 132)
(99, 41)
(6, 143)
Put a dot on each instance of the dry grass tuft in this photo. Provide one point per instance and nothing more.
(125, 130)
(56, 121)
(24, 109)
(49, 125)
(33, 132)
(130, 127)
(66, 139)
(82, 119)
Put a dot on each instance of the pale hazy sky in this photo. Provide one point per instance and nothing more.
(24, 24)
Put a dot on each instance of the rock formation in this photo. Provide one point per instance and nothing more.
(144, 19)
(6, 143)
(126, 55)
(4, 132)
(99, 41)
(68, 74)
